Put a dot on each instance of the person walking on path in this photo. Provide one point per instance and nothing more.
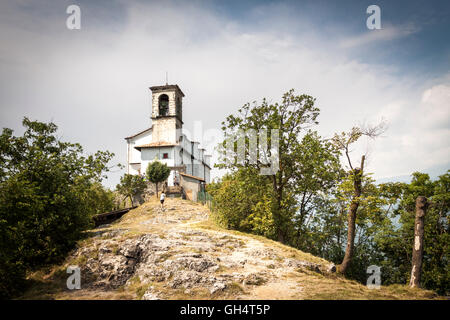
(161, 199)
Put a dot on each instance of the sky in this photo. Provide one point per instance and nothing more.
(94, 82)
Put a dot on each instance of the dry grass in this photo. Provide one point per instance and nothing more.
(329, 287)
(335, 287)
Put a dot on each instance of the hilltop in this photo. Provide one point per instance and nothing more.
(179, 253)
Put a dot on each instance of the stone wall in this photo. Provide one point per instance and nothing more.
(191, 187)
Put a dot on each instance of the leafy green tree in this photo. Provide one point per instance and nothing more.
(308, 165)
(99, 199)
(45, 187)
(243, 201)
(395, 241)
(131, 185)
(157, 172)
(317, 174)
(325, 232)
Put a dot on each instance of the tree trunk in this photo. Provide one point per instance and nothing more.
(280, 236)
(278, 219)
(156, 190)
(417, 254)
(280, 222)
(357, 183)
(131, 200)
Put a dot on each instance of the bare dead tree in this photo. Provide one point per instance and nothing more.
(344, 141)
(417, 255)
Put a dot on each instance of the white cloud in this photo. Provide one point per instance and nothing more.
(436, 106)
(94, 82)
(387, 33)
(419, 134)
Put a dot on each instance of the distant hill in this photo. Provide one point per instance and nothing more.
(433, 172)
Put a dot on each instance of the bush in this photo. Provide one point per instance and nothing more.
(242, 202)
(48, 193)
(131, 185)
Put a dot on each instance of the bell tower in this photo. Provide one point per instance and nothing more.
(167, 112)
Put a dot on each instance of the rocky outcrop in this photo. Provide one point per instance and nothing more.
(166, 256)
(306, 265)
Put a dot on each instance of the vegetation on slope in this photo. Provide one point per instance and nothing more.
(239, 265)
(48, 193)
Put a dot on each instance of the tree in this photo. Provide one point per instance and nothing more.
(242, 201)
(131, 185)
(318, 171)
(99, 199)
(395, 240)
(417, 255)
(343, 142)
(45, 187)
(157, 172)
(294, 179)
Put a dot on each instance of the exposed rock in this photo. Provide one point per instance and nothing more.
(187, 279)
(198, 264)
(150, 295)
(218, 286)
(181, 258)
(131, 249)
(303, 265)
(331, 268)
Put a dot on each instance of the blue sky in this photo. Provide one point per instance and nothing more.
(426, 50)
(94, 82)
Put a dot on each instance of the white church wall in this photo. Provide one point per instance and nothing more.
(150, 154)
(208, 159)
(186, 145)
(135, 169)
(144, 138)
(195, 150)
(207, 175)
(177, 156)
(198, 169)
(170, 179)
(187, 156)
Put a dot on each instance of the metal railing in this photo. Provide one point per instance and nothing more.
(206, 199)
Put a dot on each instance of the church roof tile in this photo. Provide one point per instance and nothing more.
(156, 145)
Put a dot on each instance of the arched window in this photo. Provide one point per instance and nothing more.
(163, 105)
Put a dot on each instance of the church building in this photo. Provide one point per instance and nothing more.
(165, 141)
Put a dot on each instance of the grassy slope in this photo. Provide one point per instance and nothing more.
(333, 287)
(49, 283)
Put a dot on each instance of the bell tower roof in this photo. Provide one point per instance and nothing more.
(167, 87)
